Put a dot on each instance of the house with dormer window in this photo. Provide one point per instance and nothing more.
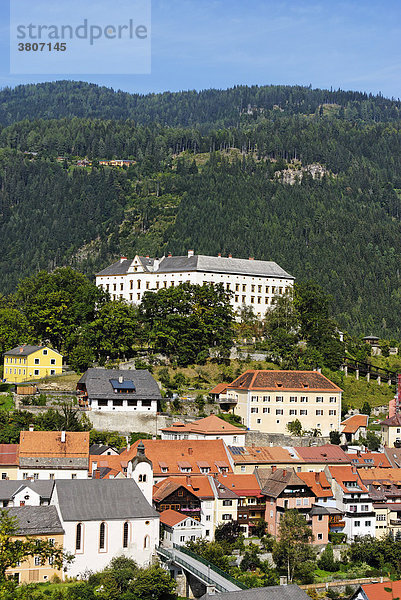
(353, 500)
(119, 390)
(267, 400)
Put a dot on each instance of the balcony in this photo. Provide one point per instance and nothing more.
(395, 521)
(335, 524)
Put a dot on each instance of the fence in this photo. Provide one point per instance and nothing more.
(212, 566)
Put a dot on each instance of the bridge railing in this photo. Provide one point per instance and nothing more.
(213, 567)
(201, 576)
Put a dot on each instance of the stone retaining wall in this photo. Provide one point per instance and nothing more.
(257, 438)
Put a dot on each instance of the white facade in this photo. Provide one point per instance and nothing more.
(54, 473)
(143, 536)
(229, 439)
(359, 515)
(26, 497)
(207, 518)
(183, 532)
(121, 405)
(253, 283)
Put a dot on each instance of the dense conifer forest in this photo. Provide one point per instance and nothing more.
(308, 178)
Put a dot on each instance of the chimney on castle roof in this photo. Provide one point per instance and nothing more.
(123, 258)
(169, 255)
(230, 255)
(251, 258)
(219, 254)
(190, 253)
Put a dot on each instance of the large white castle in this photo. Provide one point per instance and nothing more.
(253, 283)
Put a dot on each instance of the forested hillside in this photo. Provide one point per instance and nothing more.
(308, 178)
(218, 108)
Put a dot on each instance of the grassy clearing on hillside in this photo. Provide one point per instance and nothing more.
(201, 379)
(67, 382)
(358, 392)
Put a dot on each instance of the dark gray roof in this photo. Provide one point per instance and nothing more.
(119, 268)
(36, 520)
(275, 592)
(100, 499)
(54, 462)
(394, 456)
(24, 350)
(98, 385)
(318, 510)
(220, 264)
(201, 262)
(223, 492)
(274, 483)
(8, 489)
(96, 449)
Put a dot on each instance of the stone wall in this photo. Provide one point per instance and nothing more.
(257, 438)
(127, 421)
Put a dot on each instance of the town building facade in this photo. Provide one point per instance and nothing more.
(103, 519)
(26, 363)
(119, 390)
(268, 400)
(209, 428)
(53, 455)
(253, 283)
(41, 523)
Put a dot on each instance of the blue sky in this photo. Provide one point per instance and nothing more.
(199, 44)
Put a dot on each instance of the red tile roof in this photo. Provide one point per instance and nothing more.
(369, 459)
(49, 444)
(382, 591)
(345, 474)
(318, 483)
(220, 388)
(211, 425)
(264, 455)
(170, 452)
(352, 424)
(241, 484)
(9, 454)
(199, 485)
(329, 453)
(171, 517)
(381, 474)
(302, 381)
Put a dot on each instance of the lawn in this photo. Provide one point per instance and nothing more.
(6, 402)
(356, 392)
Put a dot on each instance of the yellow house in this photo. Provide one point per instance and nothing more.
(25, 363)
(37, 523)
(391, 431)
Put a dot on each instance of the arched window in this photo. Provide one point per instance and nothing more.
(146, 542)
(125, 534)
(102, 536)
(78, 537)
(142, 478)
